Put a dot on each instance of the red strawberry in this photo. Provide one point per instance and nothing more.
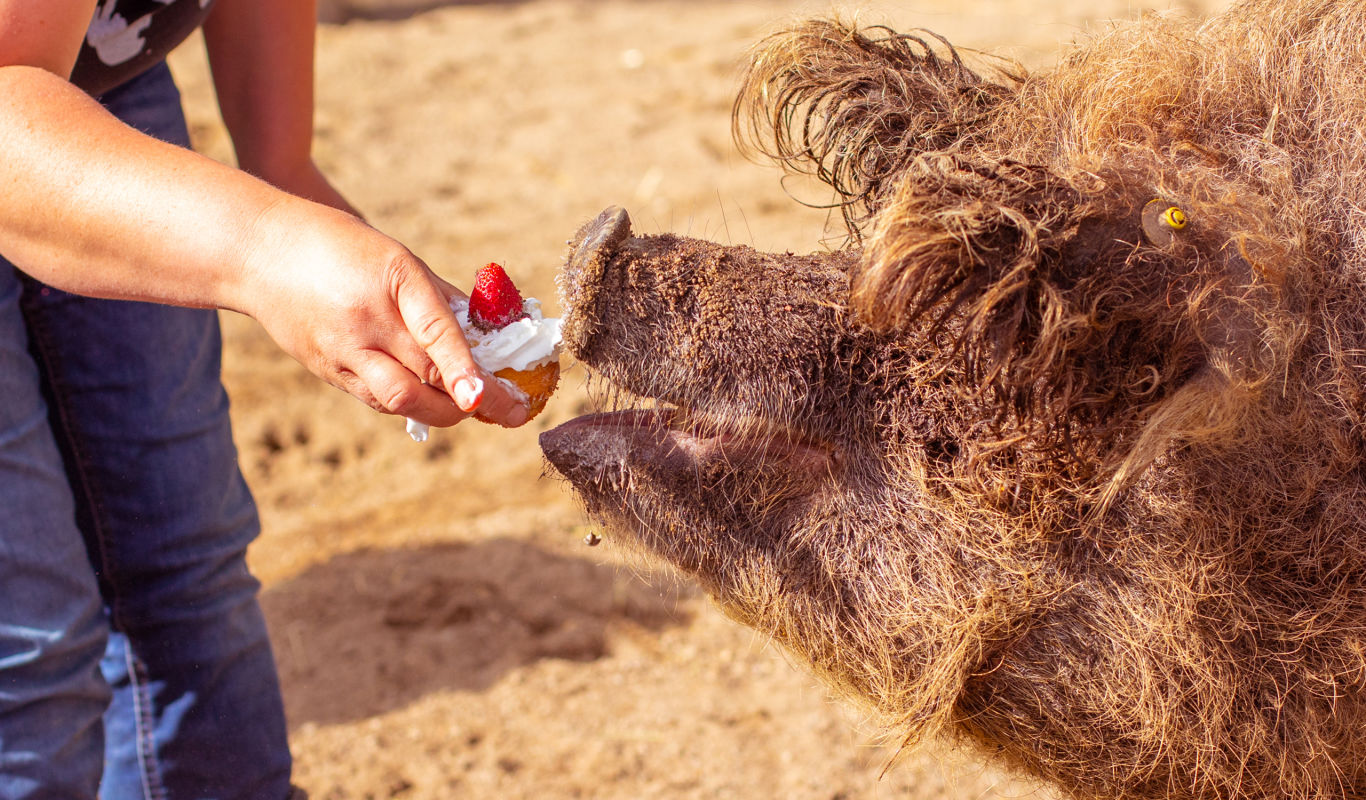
(494, 303)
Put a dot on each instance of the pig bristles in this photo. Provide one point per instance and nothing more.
(1190, 423)
(852, 107)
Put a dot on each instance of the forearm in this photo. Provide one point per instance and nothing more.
(261, 53)
(94, 207)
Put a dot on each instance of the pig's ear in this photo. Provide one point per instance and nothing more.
(961, 234)
(976, 253)
(854, 107)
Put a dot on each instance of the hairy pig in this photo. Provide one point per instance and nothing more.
(1062, 453)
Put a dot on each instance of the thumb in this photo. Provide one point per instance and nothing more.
(433, 326)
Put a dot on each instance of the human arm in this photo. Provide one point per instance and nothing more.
(261, 53)
(91, 206)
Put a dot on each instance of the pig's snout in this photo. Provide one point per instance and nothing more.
(599, 237)
(590, 251)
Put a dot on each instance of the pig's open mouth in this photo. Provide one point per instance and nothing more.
(670, 478)
(676, 440)
(686, 439)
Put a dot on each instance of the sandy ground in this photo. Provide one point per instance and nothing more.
(441, 629)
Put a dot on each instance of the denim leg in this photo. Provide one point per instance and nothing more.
(141, 419)
(52, 625)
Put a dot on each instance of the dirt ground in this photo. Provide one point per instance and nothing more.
(441, 629)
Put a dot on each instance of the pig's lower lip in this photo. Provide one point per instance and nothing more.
(679, 440)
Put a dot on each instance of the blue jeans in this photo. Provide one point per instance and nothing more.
(134, 659)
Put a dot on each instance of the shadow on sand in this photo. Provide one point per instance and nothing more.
(374, 630)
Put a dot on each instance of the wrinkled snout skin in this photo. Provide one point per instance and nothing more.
(1039, 463)
(681, 305)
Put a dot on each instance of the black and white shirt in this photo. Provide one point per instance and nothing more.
(128, 36)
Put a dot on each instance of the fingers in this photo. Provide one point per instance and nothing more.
(448, 289)
(433, 326)
(387, 386)
(410, 355)
(504, 404)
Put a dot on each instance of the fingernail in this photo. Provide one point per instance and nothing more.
(468, 393)
(519, 415)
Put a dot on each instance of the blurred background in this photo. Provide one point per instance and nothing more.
(441, 628)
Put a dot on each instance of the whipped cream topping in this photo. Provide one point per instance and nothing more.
(525, 344)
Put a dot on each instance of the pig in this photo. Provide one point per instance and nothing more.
(1060, 455)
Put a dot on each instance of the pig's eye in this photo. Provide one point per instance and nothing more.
(1161, 220)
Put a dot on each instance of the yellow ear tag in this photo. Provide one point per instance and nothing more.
(1161, 220)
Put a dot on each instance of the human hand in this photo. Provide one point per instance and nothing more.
(364, 314)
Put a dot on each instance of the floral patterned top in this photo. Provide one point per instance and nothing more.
(126, 37)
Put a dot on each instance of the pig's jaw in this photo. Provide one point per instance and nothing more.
(679, 441)
(672, 472)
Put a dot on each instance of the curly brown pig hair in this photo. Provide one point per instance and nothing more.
(1183, 410)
